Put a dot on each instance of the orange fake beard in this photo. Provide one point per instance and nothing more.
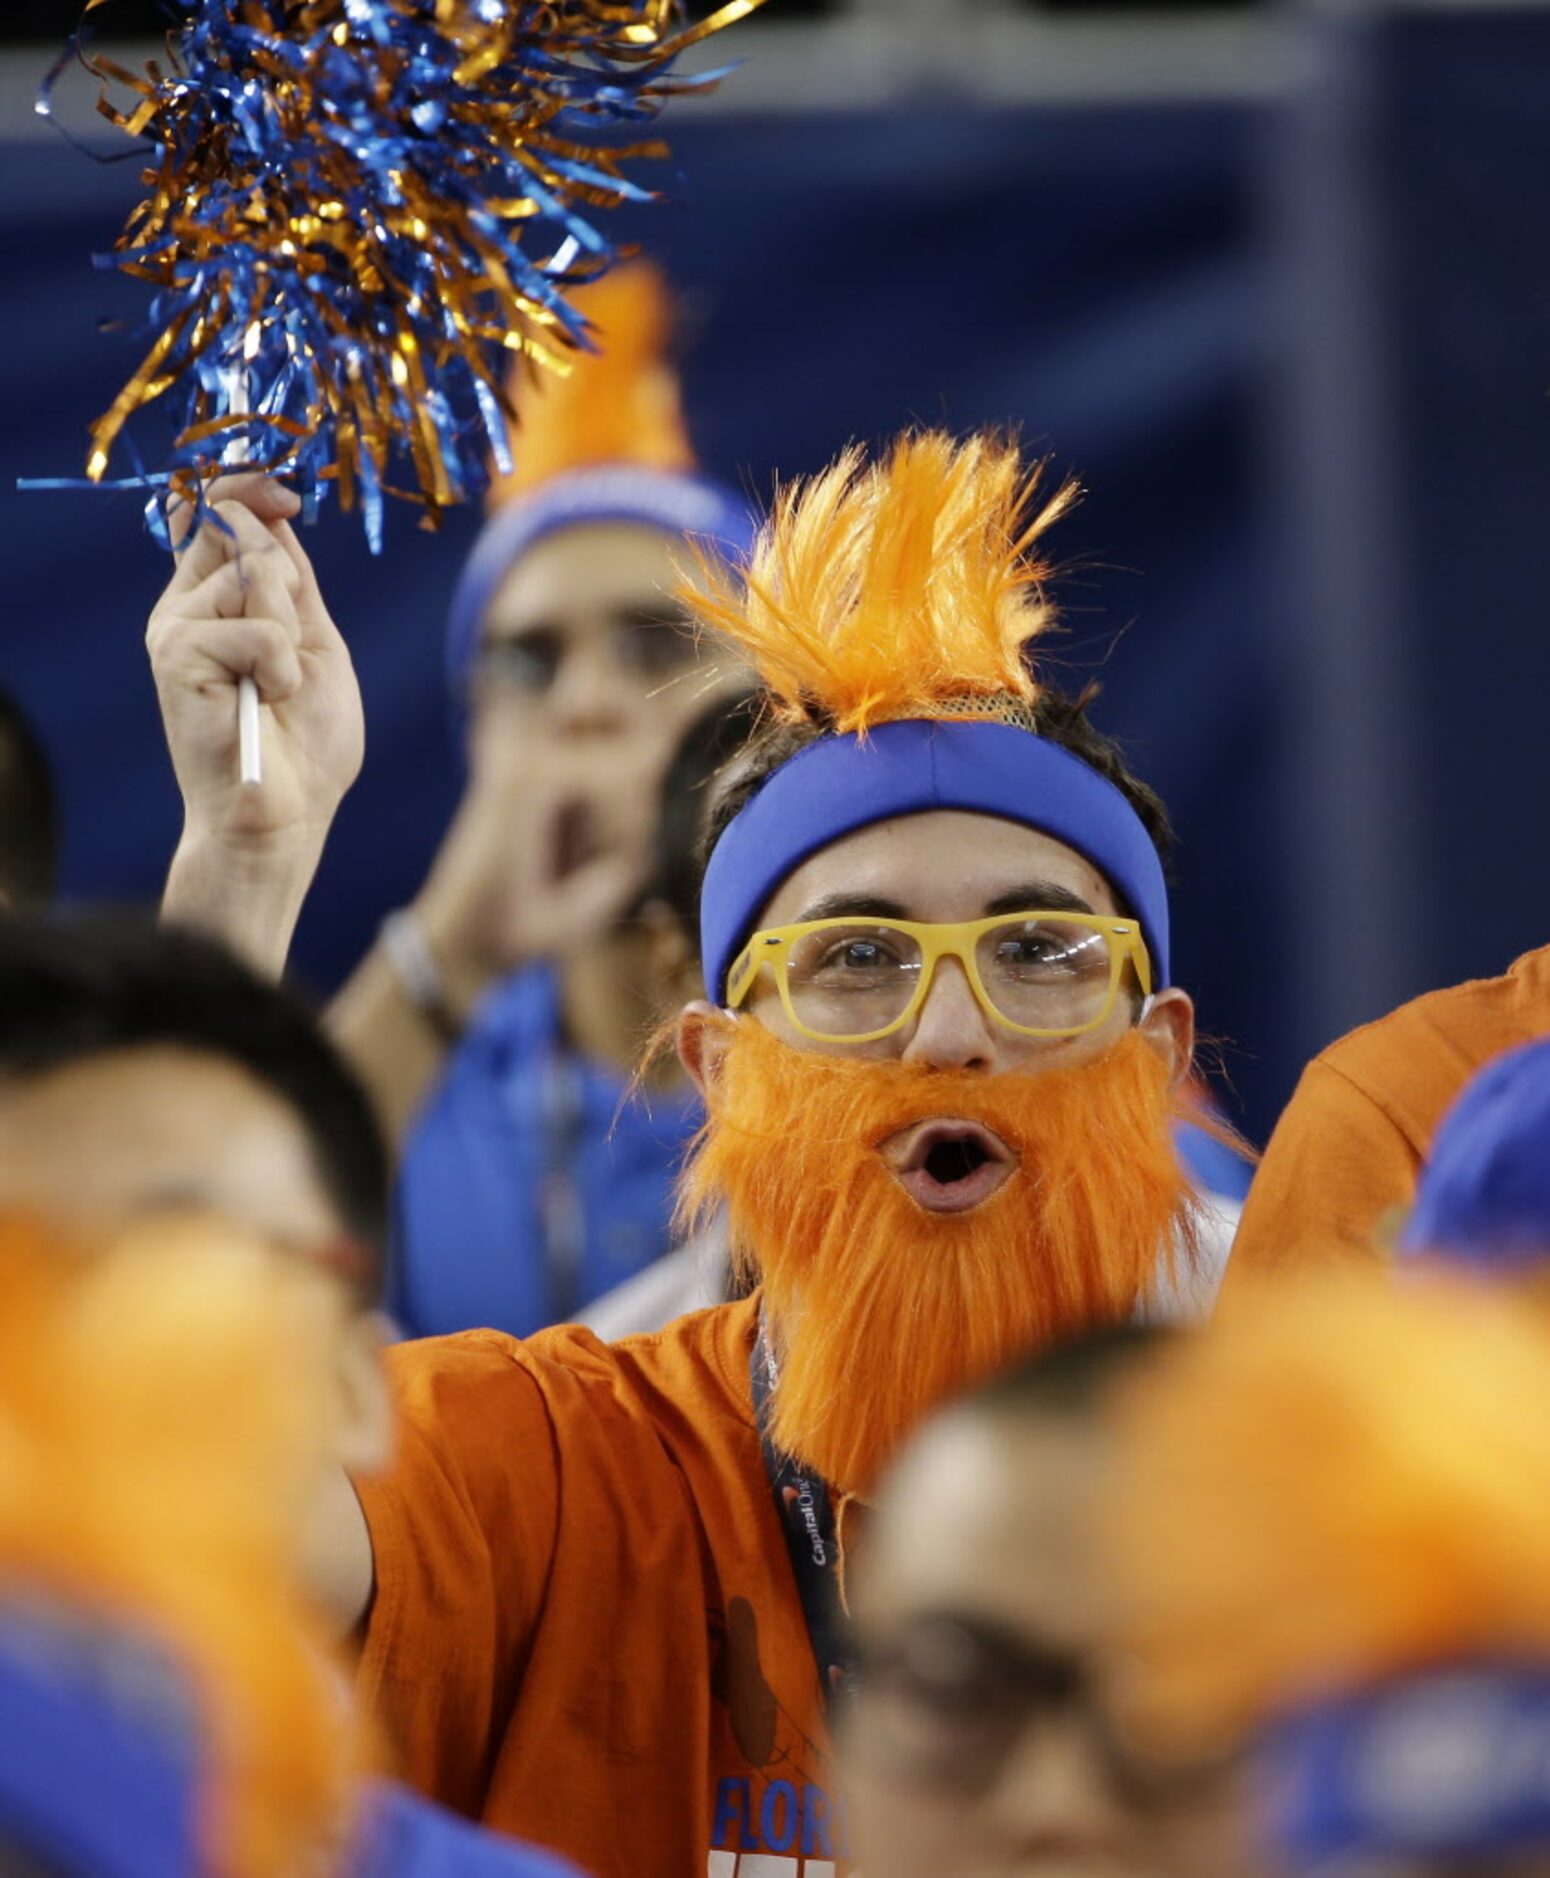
(881, 1309)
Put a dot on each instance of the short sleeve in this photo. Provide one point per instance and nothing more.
(1337, 1169)
(463, 1533)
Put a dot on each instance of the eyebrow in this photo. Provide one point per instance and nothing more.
(1034, 896)
(1039, 896)
(664, 612)
(512, 633)
(667, 616)
(854, 906)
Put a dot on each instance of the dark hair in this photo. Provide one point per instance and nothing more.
(1056, 716)
(29, 812)
(706, 748)
(1074, 1377)
(86, 985)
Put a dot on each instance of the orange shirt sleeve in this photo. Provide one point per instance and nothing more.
(463, 1533)
(1337, 1166)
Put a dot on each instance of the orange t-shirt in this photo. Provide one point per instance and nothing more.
(1343, 1161)
(586, 1629)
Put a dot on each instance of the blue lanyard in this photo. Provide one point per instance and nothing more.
(805, 1509)
(561, 1216)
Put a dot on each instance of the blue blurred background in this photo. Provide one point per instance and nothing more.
(1274, 283)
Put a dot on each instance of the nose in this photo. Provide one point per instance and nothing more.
(951, 1031)
(1053, 1803)
(590, 696)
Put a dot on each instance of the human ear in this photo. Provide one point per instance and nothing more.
(1169, 1027)
(703, 1036)
(366, 1410)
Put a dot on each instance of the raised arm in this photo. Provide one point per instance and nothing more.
(243, 601)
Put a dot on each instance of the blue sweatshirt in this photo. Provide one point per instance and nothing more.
(529, 1185)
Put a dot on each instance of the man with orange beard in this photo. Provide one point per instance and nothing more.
(602, 1584)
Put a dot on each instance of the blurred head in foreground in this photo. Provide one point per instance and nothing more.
(145, 1071)
(981, 1740)
(1484, 1194)
(169, 1702)
(1329, 1522)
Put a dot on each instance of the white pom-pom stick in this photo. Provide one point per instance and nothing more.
(250, 747)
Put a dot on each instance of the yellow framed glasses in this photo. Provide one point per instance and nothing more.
(1041, 974)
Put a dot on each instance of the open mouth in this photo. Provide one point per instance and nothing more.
(948, 1166)
(577, 838)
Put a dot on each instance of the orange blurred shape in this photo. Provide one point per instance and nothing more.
(166, 1398)
(1342, 1478)
(622, 404)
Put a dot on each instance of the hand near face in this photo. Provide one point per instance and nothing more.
(552, 842)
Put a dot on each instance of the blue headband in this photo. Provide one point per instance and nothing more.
(99, 1772)
(1484, 1194)
(612, 492)
(1447, 1762)
(841, 784)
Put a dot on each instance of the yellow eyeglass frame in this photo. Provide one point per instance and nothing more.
(959, 940)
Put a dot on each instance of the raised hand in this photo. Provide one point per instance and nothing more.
(547, 851)
(243, 601)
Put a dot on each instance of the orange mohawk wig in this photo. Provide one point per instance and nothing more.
(905, 588)
(163, 1405)
(1342, 1479)
(621, 404)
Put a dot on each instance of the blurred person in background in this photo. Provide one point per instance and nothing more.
(1327, 1525)
(147, 1077)
(978, 1741)
(1340, 1171)
(29, 813)
(498, 1018)
(941, 1066)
